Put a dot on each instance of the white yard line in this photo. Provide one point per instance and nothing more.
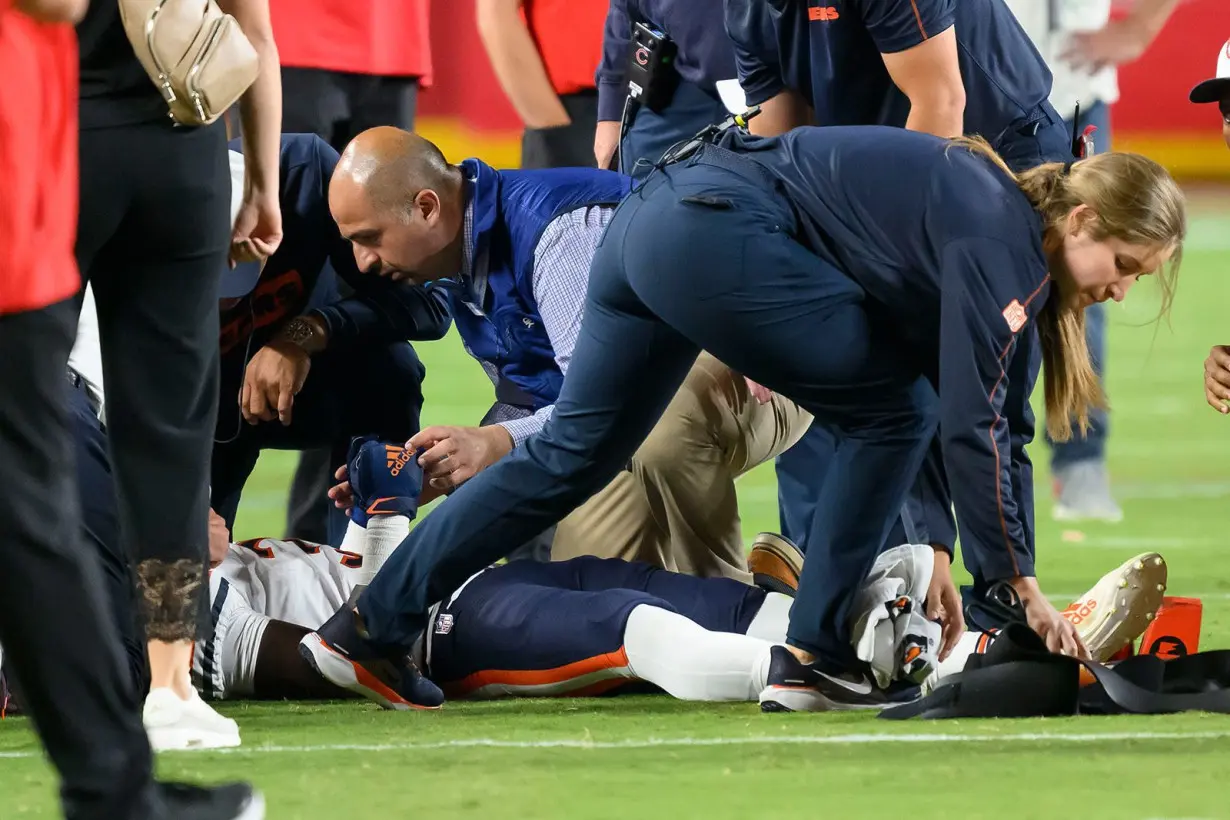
(767, 740)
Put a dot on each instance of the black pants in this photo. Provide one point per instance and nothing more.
(338, 105)
(152, 239)
(54, 623)
(334, 105)
(568, 146)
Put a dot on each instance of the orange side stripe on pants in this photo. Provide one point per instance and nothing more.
(540, 677)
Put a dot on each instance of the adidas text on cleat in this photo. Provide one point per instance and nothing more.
(797, 687)
(775, 563)
(1120, 606)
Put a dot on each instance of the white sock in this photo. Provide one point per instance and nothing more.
(692, 663)
(773, 619)
(971, 643)
(375, 543)
(384, 534)
(355, 539)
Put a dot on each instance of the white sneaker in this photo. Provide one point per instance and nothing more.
(173, 724)
(1120, 606)
(1082, 493)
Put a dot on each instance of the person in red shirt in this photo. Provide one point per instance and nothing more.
(347, 67)
(545, 54)
(58, 642)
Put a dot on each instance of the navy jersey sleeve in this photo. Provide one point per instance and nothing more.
(380, 310)
(610, 79)
(980, 429)
(750, 28)
(897, 25)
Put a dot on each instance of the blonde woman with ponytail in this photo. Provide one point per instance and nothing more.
(891, 283)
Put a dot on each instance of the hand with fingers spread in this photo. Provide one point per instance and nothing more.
(453, 455)
(944, 603)
(1060, 635)
(272, 380)
(1217, 379)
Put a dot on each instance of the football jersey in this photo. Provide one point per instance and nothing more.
(259, 581)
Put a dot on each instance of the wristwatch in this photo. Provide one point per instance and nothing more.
(304, 334)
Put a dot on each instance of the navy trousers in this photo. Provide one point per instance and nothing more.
(704, 256)
(100, 529)
(927, 519)
(351, 392)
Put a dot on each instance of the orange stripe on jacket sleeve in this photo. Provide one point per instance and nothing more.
(918, 17)
(999, 484)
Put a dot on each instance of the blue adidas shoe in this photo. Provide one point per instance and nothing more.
(386, 479)
(341, 654)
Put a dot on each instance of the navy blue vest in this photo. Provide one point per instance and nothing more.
(511, 210)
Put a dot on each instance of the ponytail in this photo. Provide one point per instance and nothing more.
(1135, 200)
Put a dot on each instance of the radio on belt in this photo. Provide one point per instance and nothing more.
(652, 77)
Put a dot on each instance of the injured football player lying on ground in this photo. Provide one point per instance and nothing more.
(589, 626)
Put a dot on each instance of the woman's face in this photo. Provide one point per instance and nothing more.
(1100, 270)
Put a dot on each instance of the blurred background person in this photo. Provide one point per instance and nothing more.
(346, 67)
(350, 66)
(153, 240)
(60, 643)
(1082, 46)
(705, 56)
(1217, 365)
(545, 53)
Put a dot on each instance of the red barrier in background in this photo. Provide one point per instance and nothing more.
(466, 108)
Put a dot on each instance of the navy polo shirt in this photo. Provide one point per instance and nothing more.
(830, 52)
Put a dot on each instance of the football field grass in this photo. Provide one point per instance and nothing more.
(653, 757)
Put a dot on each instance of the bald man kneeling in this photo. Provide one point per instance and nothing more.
(512, 250)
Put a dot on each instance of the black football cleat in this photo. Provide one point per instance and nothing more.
(797, 687)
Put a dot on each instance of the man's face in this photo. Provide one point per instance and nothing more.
(406, 244)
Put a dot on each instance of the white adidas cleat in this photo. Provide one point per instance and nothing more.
(1120, 606)
(174, 724)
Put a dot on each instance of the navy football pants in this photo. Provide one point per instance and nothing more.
(557, 628)
(703, 256)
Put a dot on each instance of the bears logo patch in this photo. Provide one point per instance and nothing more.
(1015, 315)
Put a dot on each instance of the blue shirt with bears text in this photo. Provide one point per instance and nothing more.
(830, 52)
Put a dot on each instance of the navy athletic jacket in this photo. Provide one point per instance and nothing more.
(302, 275)
(950, 248)
(830, 52)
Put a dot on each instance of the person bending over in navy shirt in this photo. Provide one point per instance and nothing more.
(940, 66)
(889, 282)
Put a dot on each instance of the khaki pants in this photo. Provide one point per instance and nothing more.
(677, 507)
